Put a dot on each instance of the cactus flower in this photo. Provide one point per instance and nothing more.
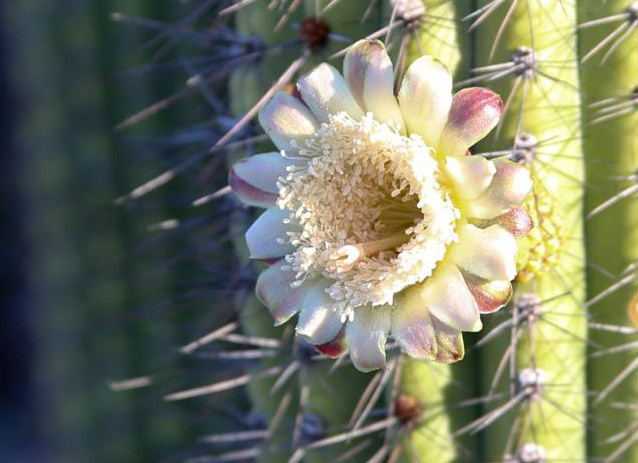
(379, 222)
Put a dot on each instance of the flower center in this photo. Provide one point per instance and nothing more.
(367, 211)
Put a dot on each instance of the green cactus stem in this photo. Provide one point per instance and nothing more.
(544, 384)
(611, 150)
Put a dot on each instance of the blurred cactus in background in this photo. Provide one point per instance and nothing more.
(553, 376)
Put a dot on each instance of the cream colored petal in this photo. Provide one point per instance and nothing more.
(286, 118)
(450, 300)
(488, 253)
(366, 335)
(254, 179)
(470, 175)
(474, 113)
(425, 98)
(412, 325)
(262, 236)
(274, 290)
(368, 70)
(449, 342)
(326, 92)
(319, 320)
(510, 186)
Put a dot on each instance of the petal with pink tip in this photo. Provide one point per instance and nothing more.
(366, 335)
(471, 175)
(517, 221)
(326, 92)
(319, 320)
(425, 97)
(274, 290)
(449, 299)
(474, 113)
(509, 188)
(249, 194)
(254, 179)
(368, 70)
(488, 253)
(286, 118)
(412, 325)
(490, 295)
(335, 348)
(262, 236)
(449, 342)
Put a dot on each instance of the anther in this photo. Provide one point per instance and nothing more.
(315, 32)
(531, 382)
(525, 146)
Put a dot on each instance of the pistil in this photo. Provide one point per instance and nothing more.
(344, 258)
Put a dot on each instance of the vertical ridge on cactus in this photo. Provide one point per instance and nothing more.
(544, 388)
(609, 80)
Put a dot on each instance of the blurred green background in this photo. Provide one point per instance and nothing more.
(86, 296)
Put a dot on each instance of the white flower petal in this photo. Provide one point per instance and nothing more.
(319, 320)
(254, 179)
(488, 253)
(368, 70)
(509, 187)
(449, 299)
(286, 118)
(366, 335)
(474, 113)
(274, 290)
(412, 325)
(425, 98)
(470, 175)
(262, 236)
(326, 92)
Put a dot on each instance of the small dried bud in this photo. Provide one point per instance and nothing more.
(407, 408)
(315, 32)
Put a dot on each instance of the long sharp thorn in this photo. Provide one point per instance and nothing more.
(618, 42)
(613, 200)
(221, 386)
(285, 376)
(231, 437)
(629, 369)
(387, 374)
(236, 7)
(210, 337)
(604, 42)
(611, 289)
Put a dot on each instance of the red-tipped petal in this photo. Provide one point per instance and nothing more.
(474, 113)
(490, 295)
(335, 348)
